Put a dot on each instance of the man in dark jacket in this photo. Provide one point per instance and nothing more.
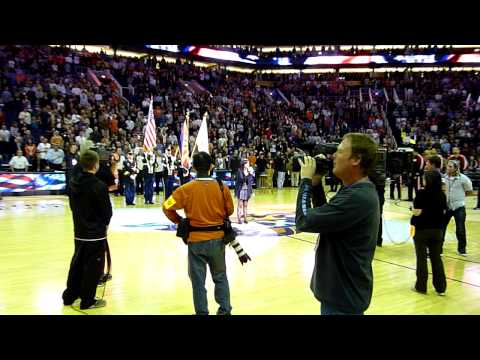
(342, 278)
(91, 212)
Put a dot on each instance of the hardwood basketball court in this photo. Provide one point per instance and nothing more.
(150, 263)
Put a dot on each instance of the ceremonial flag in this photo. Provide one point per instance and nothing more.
(467, 102)
(386, 95)
(185, 158)
(150, 136)
(360, 92)
(395, 96)
(370, 95)
(201, 142)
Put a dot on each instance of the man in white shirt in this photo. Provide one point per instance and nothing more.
(42, 149)
(26, 117)
(55, 157)
(80, 138)
(130, 124)
(458, 186)
(19, 162)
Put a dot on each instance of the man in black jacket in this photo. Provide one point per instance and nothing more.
(342, 278)
(91, 212)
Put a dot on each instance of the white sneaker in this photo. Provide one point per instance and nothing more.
(462, 254)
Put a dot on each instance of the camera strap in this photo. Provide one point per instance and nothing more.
(220, 183)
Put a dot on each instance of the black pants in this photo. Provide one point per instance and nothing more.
(412, 185)
(57, 167)
(139, 183)
(121, 180)
(460, 216)
(430, 239)
(395, 182)
(169, 186)
(158, 182)
(478, 198)
(381, 199)
(86, 269)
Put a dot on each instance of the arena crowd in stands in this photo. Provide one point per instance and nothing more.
(50, 105)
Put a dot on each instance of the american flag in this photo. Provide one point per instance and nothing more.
(150, 138)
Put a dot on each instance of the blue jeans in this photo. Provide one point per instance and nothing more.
(211, 252)
(328, 310)
(460, 216)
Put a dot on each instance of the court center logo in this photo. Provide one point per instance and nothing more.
(260, 225)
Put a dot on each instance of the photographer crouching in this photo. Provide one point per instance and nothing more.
(342, 278)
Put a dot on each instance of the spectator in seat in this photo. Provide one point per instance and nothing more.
(56, 139)
(55, 157)
(42, 149)
(18, 163)
(31, 151)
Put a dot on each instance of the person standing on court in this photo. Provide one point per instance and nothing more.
(148, 177)
(206, 205)
(429, 207)
(243, 189)
(342, 278)
(130, 173)
(458, 186)
(91, 212)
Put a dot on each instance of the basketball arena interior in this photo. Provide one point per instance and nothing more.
(256, 109)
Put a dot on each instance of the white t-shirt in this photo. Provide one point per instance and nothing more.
(76, 91)
(80, 139)
(76, 118)
(42, 149)
(130, 124)
(19, 162)
(25, 116)
(4, 135)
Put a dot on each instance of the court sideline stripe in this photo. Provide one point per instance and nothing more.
(392, 263)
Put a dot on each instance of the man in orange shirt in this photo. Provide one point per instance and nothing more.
(206, 207)
(56, 139)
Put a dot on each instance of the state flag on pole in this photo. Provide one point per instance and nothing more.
(370, 95)
(467, 102)
(201, 142)
(150, 136)
(360, 95)
(386, 95)
(185, 158)
(395, 96)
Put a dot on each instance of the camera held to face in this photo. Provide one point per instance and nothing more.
(323, 165)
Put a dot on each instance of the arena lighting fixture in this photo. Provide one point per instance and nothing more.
(283, 61)
(221, 55)
(469, 58)
(170, 48)
(317, 71)
(238, 69)
(282, 71)
(337, 60)
(412, 59)
(357, 70)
